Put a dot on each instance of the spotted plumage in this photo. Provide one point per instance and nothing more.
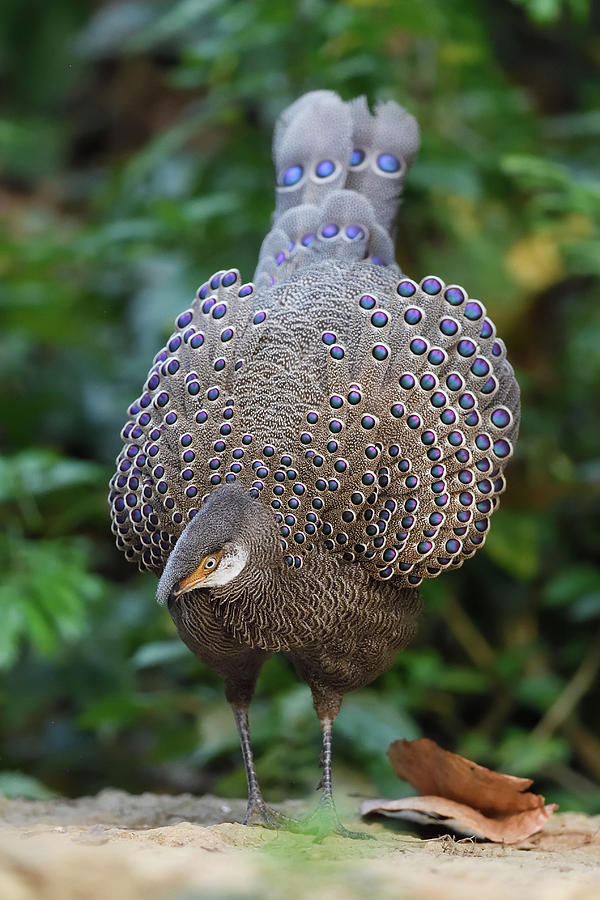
(366, 418)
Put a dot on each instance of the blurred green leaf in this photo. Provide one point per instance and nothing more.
(514, 543)
(16, 784)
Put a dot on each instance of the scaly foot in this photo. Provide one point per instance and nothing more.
(258, 813)
(324, 821)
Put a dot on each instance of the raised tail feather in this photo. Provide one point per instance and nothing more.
(340, 171)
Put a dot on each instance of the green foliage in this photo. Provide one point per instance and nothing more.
(134, 154)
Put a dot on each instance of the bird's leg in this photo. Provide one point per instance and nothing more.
(325, 820)
(257, 811)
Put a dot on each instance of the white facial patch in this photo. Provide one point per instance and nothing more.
(229, 568)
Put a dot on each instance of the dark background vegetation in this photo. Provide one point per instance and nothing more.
(135, 154)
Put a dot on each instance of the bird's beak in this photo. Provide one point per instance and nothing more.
(189, 583)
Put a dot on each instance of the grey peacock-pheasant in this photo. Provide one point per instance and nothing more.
(308, 447)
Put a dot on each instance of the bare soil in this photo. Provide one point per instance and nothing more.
(116, 846)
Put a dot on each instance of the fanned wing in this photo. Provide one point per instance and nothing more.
(370, 413)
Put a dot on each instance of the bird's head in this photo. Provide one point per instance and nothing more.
(232, 536)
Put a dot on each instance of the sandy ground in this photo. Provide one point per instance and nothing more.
(125, 847)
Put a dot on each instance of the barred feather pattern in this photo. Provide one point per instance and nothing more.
(374, 415)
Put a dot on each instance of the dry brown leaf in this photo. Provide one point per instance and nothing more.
(462, 794)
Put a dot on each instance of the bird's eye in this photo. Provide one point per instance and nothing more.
(210, 562)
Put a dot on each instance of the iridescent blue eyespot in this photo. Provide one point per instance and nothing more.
(379, 319)
(431, 286)
(184, 319)
(486, 329)
(325, 168)
(406, 289)
(328, 338)
(501, 449)
(448, 327)
(413, 421)
(454, 382)
(208, 305)
(380, 352)
(418, 346)
(259, 317)
(480, 367)
(473, 310)
(354, 397)
(500, 417)
(413, 315)
(397, 410)
(466, 348)
(387, 162)
(337, 352)
(436, 356)
(354, 232)
(438, 399)
(407, 381)
(292, 176)
(330, 230)
(367, 422)
(427, 381)
(366, 302)
(245, 290)
(455, 296)
(356, 157)
(197, 341)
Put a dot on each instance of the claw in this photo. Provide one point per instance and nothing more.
(324, 821)
(258, 813)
